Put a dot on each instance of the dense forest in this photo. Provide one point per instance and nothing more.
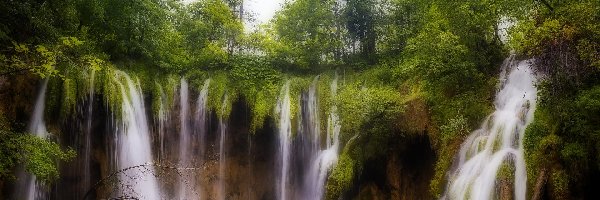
(396, 86)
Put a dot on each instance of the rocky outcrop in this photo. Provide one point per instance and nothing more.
(403, 173)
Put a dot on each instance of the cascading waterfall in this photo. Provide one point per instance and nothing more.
(133, 143)
(499, 141)
(132, 148)
(326, 158)
(201, 117)
(313, 125)
(285, 132)
(37, 125)
(201, 122)
(88, 135)
(309, 138)
(222, 133)
(162, 119)
(185, 182)
(27, 182)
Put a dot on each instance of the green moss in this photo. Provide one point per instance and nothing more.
(341, 178)
(221, 94)
(443, 164)
(560, 184)
(325, 99)
(69, 96)
(163, 93)
(506, 171)
(111, 90)
(262, 105)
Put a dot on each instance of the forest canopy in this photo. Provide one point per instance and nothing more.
(442, 53)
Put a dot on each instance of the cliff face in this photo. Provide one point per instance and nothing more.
(250, 162)
(403, 173)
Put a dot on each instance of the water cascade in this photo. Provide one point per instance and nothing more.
(285, 132)
(325, 158)
(302, 161)
(31, 188)
(201, 122)
(310, 138)
(185, 149)
(162, 120)
(222, 133)
(133, 144)
(87, 138)
(499, 141)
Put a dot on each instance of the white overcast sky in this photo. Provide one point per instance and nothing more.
(263, 10)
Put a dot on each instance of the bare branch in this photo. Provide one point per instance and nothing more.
(143, 167)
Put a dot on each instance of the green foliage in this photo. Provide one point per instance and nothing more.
(445, 52)
(443, 164)
(455, 127)
(563, 138)
(39, 156)
(42, 60)
(560, 184)
(402, 23)
(341, 178)
(307, 28)
(368, 117)
(437, 54)
(454, 71)
(361, 16)
(36, 22)
(209, 32)
(262, 105)
(221, 94)
(258, 82)
(163, 93)
(359, 107)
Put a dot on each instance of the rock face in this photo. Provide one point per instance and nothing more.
(403, 173)
(249, 169)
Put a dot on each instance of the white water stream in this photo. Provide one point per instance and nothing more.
(285, 132)
(37, 126)
(222, 153)
(499, 141)
(133, 144)
(326, 158)
(186, 180)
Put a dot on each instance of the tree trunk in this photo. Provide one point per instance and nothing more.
(538, 190)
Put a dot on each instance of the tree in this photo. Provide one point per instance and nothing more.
(307, 29)
(39, 156)
(210, 29)
(361, 18)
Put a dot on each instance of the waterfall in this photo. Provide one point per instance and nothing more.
(310, 138)
(325, 158)
(37, 125)
(161, 119)
(499, 141)
(133, 144)
(201, 122)
(222, 132)
(285, 132)
(312, 119)
(28, 187)
(186, 183)
(87, 157)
